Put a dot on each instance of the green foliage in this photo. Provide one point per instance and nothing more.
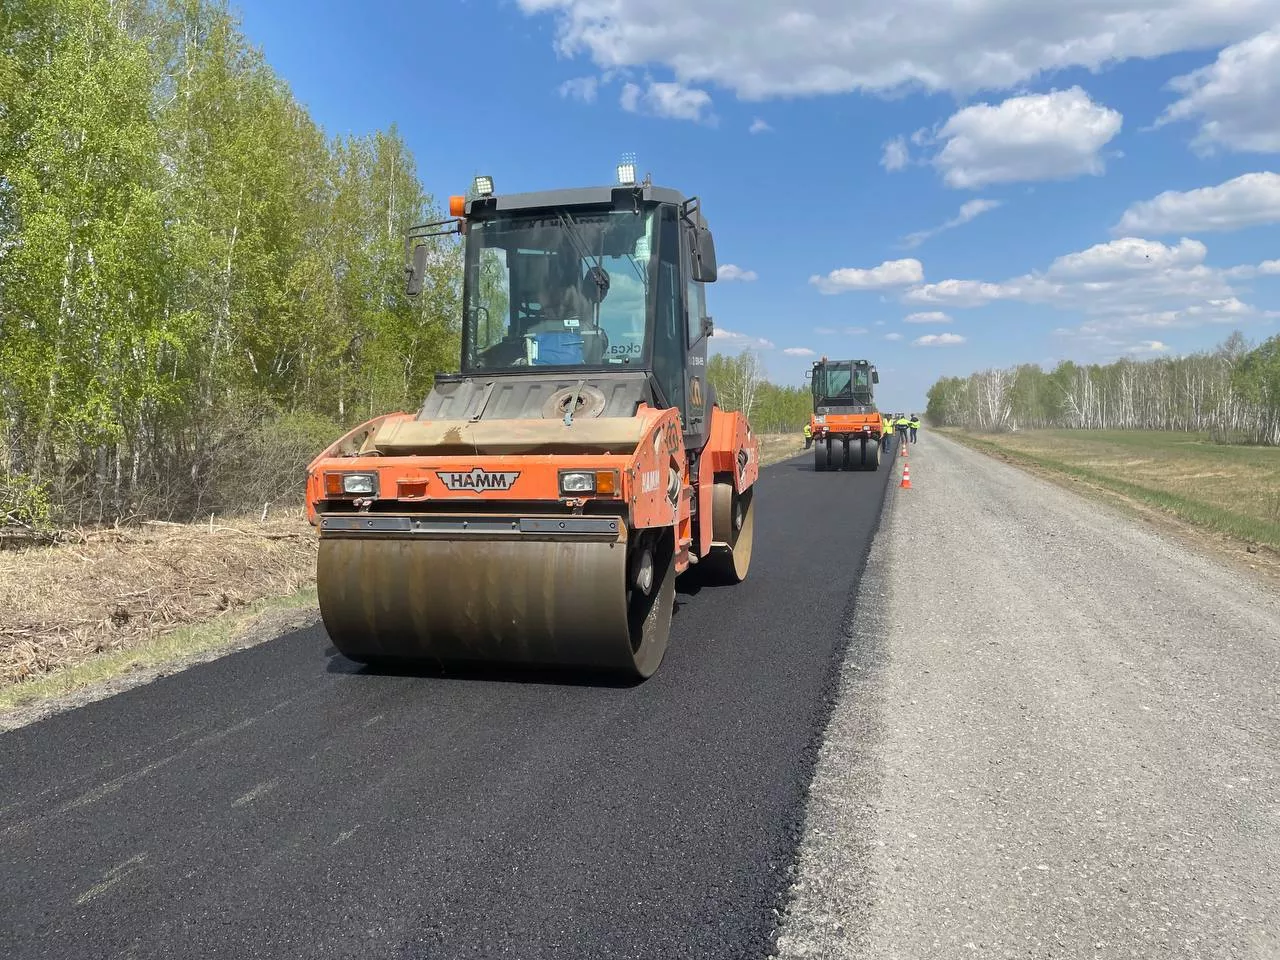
(740, 385)
(183, 250)
(1231, 393)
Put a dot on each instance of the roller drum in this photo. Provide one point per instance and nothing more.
(507, 602)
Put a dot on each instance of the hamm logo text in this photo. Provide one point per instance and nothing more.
(477, 479)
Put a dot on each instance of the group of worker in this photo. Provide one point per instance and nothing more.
(906, 427)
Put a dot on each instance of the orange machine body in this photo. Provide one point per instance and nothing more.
(847, 425)
(512, 468)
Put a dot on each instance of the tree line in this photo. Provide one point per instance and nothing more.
(1231, 392)
(198, 287)
(740, 384)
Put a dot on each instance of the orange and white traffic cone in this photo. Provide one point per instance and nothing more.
(906, 476)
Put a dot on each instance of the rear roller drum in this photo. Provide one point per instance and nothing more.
(733, 522)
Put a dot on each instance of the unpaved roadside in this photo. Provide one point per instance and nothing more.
(1058, 736)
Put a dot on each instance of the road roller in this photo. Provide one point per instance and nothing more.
(846, 426)
(538, 508)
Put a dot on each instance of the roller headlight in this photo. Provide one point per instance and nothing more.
(578, 481)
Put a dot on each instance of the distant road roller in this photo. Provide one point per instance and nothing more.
(845, 423)
(539, 506)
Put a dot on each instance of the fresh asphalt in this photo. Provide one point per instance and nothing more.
(285, 802)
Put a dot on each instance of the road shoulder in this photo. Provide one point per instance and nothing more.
(1058, 736)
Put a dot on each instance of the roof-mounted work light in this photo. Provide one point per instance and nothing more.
(483, 186)
(627, 170)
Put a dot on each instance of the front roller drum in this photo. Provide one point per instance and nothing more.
(593, 605)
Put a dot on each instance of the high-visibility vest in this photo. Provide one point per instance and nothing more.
(915, 422)
(807, 432)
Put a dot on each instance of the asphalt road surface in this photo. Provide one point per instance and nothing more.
(281, 802)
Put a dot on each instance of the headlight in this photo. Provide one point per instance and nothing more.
(359, 483)
(819, 419)
(578, 482)
(603, 483)
(350, 484)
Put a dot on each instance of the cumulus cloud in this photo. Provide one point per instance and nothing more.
(968, 211)
(733, 339)
(798, 352)
(895, 154)
(731, 271)
(759, 126)
(1126, 283)
(1249, 200)
(674, 101)
(580, 88)
(1148, 346)
(1048, 136)
(928, 316)
(812, 47)
(1234, 98)
(891, 273)
(938, 340)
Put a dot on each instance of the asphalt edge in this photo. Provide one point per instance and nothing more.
(854, 672)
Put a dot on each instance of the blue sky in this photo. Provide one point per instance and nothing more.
(938, 189)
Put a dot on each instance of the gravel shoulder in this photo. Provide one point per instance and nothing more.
(1058, 734)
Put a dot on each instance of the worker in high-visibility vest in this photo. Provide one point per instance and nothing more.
(903, 425)
(808, 436)
(915, 425)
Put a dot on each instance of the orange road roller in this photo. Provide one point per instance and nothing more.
(538, 508)
(846, 427)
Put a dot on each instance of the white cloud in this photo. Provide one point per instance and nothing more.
(938, 340)
(929, 316)
(673, 101)
(1245, 201)
(731, 338)
(580, 88)
(1234, 98)
(895, 155)
(1124, 283)
(759, 126)
(731, 271)
(759, 49)
(1049, 136)
(891, 273)
(968, 211)
(799, 352)
(893, 336)
(847, 331)
(1148, 346)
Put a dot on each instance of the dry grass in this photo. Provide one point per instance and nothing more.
(1230, 491)
(779, 446)
(103, 602)
(115, 589)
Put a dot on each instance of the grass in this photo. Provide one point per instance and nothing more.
(1232, 490)
(102, 604)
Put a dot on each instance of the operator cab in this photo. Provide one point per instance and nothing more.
(593, 282)
(843, 385)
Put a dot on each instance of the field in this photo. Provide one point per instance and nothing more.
(1231, 490)
(111, 601)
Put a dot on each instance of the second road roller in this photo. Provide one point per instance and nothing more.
(539, 506)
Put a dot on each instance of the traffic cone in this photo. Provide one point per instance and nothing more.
(902, 447)
(906, 476)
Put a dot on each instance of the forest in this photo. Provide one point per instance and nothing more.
(200, 289)
(1231, 393)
